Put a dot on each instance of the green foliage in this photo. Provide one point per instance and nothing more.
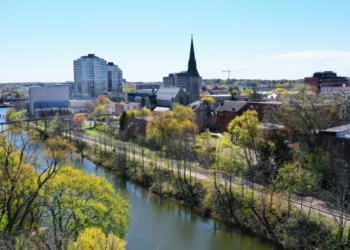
(11, 114)
(182, 113)
(246, 91)
(245, 129)
(84, 200)
(122, 121)
(304, 233)
(129, 90)
(101, 109)
(139, 113)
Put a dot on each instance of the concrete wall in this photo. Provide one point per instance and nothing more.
(50, 97)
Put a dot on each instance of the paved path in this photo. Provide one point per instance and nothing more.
(317, 207)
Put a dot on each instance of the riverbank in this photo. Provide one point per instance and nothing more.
(167, 183)
(269, 217)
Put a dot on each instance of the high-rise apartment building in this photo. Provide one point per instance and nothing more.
(90, 76)
(114, 78)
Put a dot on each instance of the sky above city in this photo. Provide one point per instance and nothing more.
(269, 39)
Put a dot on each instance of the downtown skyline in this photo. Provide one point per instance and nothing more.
(272, 40)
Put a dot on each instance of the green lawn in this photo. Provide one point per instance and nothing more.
(95, 131)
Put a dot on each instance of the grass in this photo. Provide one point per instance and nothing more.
(95, 131)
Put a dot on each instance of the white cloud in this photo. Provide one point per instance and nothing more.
(308, 55)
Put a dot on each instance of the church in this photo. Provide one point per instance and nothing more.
(183, 87)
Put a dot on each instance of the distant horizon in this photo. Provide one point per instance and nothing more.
(238, 79)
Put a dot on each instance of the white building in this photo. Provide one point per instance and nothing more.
(114, 78)
(78, 106)
(335, 90)
(48, 98)
(90, 76)
(110, 107)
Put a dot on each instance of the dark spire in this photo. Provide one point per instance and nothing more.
(192, 65)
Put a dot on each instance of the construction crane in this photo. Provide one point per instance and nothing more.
(229, 71)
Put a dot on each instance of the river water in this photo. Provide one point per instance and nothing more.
(159, 224)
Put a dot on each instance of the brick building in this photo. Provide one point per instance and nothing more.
(228, 110)
(326, 79)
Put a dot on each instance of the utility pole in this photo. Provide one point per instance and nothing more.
(229, 71)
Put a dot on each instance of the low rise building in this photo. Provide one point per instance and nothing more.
(43, 98)
(226, 111)
(204, 114)
(326, 79)
(337, 140)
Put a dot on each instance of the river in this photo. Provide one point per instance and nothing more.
(157, 223)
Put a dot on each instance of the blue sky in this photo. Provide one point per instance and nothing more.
(272, 39)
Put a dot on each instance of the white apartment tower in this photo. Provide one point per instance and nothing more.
(90, 76)
(114, 78)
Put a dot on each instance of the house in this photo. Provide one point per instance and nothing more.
(226, 112)
(203, 113)
(337, 138)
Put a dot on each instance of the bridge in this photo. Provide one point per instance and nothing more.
(45, 119)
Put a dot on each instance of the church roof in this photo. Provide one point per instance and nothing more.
(167, 94)
(192, 65)
(234, 106)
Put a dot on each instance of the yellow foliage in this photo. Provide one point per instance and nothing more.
(208, 99)
(246, 92)
(93, 238)
(139, 113)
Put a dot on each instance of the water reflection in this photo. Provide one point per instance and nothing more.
(166, 225)
(163, 224)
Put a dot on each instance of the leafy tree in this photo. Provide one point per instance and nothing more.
(122, 121)
(94, 238)
(76, 200)
(294, 179)
(101, 109)
(101, 100)
(208, 99)
(23, 179)
(304, 114)
(278, 91)
(246, 91)
(11, 114)
(90, 107)
(79, 119)
(182, 113)
(53, 126)
(129, 90)
(143, 102)
(139, 113)
(246, 129)
(162, 126)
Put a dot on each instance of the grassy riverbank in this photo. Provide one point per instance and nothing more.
(262, 214)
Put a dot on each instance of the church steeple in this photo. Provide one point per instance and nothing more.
(192, 65)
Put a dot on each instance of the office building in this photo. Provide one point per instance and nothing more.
(90, 76)
(326, 79)
(44, 98)
(114, 78)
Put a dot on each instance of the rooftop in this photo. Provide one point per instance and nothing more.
(167, 94)
(234, 106)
